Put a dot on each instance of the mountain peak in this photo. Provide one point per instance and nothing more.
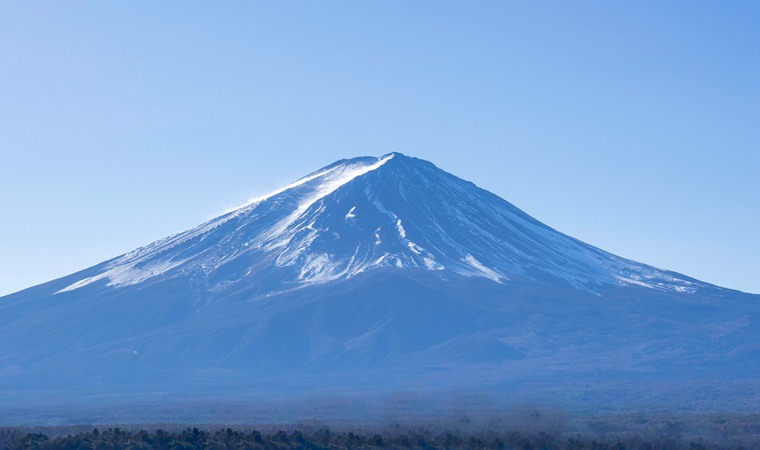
(357, 215)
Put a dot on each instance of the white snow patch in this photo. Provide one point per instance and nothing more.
(635, 282)
(316, 268)
(416, 249)
(350, 214)
(380, 259)
(332, 180)
(477, 265)
(125, 275)
(431, 264)
(399, 227)
(296, 183)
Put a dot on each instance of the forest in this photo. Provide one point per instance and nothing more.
(324, 438)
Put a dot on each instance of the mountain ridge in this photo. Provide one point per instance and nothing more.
(288, 235)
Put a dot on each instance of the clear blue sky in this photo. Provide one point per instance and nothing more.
(634, 126)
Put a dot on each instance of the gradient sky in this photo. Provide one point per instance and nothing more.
(631, 125)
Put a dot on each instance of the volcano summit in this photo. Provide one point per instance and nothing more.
(388, 274)
(364, 214)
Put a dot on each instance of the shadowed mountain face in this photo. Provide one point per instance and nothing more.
(375, 273)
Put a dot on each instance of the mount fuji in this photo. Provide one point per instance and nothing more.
(382, 274)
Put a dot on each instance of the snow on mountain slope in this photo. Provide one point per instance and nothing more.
(157, 258)
(368, 213)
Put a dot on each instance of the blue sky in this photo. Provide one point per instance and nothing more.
(634, 126)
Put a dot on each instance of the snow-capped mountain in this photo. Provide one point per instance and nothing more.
(363, 214)
(378, 273)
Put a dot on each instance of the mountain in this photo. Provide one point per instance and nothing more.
(364, 214)
(382, 274)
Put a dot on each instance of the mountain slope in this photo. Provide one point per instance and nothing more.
(383, 272)
(369, 213)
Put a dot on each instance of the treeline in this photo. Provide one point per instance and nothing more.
(115, 438)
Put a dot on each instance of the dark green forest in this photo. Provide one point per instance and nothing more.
(227, 438)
